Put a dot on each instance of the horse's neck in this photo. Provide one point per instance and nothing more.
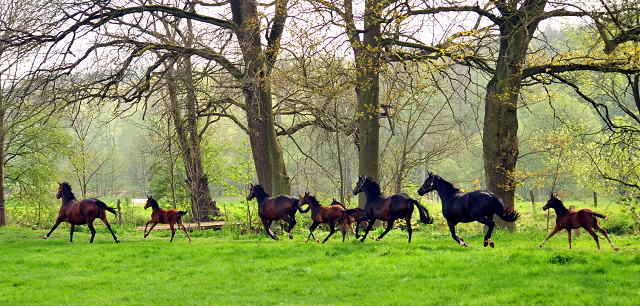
(68, 199)
(445, 190)
(261, 195)
(560, 210)
(372, 192)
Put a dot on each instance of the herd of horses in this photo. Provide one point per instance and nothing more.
(457, 207)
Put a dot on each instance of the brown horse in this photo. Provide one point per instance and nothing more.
(282, 207)
(386, 208)
(79, 212)
(566, 219)
(163, 216)
(324, 214)
(352, 215)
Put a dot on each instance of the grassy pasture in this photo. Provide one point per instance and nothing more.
(223, 267)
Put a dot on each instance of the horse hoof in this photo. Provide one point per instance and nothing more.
(306, 240)
(377, 239)
(44, 237)
(117, 241)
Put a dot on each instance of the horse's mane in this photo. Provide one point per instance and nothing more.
(374, 184)
(446, 184)
(67, 186)
(154, 203)
(313, 200)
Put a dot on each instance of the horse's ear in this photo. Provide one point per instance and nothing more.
(306, 193)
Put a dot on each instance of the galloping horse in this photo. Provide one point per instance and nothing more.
(282, 207)
(352, 215)
(566, 219)
(458, 206)
(78, 212)
(163, 216)
(386, 208)
(324, 214)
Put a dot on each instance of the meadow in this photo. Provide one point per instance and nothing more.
(227, 267)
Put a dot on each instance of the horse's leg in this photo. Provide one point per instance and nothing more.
(73, 226)
(58, 221)
(173, 231)
(93, 230)
(145, 228)
(593, 234)
(267, 228)
(389, 227)
(409, 229)
(491, 225)
(599, 229)
(152, 226)
(184, 228)
(452, 228)
(569, 231)
(104, 219)
(333, 230)
(312, 228)
(369, 226)
(555, 230)
(292, 222)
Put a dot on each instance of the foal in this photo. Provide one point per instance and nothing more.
(353, 215)
(566, 219)
(324, 214)
(164, 216)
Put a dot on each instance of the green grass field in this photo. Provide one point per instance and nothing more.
(224, 267)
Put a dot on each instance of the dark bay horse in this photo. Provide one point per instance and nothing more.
(282, 207)
(566, 219)
(164, 216)
(464, 207)
(352, 215)
(324, 214)
(386, 208)
(78, 212)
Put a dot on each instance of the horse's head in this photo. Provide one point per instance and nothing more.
(64, 188)
(427, 185)
(553, 202)
(252, 192)
(150, 201)
(306, 199)
(362, 179)
(59, 194)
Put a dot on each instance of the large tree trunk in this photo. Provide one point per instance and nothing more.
(189, 140)
(368, 65)
(500, 135)
(3, 205)
(267, 153)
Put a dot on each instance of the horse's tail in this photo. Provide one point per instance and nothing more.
(424, 213)
(498, 209)
(296, 204)
(181, 213)
(105, 207)
(595, 214)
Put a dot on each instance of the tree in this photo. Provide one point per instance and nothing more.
(498, 45)
(17, 112)
(125, 82)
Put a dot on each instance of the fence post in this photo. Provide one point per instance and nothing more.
(595, 199)
(533, 200)
(119, 213)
